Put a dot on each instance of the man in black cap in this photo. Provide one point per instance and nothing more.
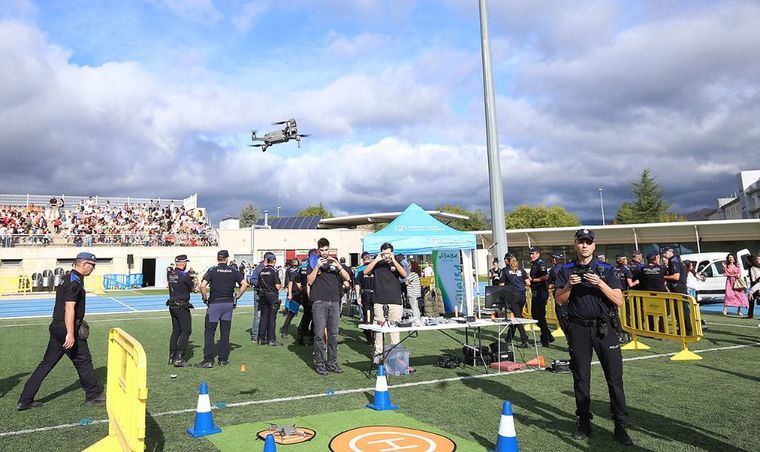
(68, 336)
(675, 280)
(623, 273)
(539, 293)
(652, 276)
(269, 288)
(180, 286)
(222, 300)
(591, 292)
(636, 264)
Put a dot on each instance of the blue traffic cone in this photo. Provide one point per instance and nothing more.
(382, 400)
(204, 423)
(507, 440)
(269, 444)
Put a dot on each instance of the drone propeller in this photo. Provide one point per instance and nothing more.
(255, 145)
(279, 123)
(303, 135)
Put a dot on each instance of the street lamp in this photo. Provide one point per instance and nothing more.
(498, 226)
(278, 211)
(601, 204)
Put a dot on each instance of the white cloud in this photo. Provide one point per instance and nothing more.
(249, 14)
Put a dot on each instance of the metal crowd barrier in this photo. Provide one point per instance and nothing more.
(122, 281)
(15, 284)
(126, 394)
(660, 315)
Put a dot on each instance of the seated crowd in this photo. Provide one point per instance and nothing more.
(88, 224)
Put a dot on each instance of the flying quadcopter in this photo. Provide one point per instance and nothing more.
(288, 132)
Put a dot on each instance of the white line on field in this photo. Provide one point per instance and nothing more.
(736, 326)
(123, 304)
(243, 308)
(358, 390)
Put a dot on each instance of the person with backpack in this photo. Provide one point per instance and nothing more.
(253, 281)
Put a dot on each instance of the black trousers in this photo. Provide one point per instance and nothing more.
(581, 340)
(79, 355)
(224, 340)
(681, 288)
(368, 314)
(268, 304)
(182, 327)
(516, 305)
(539, 296)
(305, 327)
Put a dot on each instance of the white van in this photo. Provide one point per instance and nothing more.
(710, 265)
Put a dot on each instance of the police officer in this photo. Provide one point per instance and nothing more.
(269, 287)
(539, 293)
(305, 327)
(365, 294)
(180, 286)
(636, 265)
(591, 292)
(558, 258)
(623, 273)
(67, 337)
(675, 280)
(293, 287)
(221, 301)
(515, 279)
(652, 276)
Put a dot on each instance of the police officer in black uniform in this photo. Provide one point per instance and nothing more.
(366, 294)
(269, 289)
(223, 299)
(558, 259)
(539, 294)
(652, 276)
(623, 272)
(66, 338)
(675, 281)
(515, 280)
(591, 292)
(305, 327)
(181, 284)
(636, 265)
(293, 287)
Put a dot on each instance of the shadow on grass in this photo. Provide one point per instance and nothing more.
(753, 378)
(190, 350)
(663, 428)
(551, 419)
(100, 375)
(154, 436)
(8, 383)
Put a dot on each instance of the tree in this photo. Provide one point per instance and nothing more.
(477, 218)
(529, 217)
(315, 211)
(248, 215)
(648, 206)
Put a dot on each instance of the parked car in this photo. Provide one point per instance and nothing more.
(710, 265)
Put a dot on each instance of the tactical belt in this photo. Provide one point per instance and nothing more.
(584, 322)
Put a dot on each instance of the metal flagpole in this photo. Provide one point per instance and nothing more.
(498, 227)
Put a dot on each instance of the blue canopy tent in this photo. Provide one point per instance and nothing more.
(417, 232)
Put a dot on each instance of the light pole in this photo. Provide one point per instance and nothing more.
(278, 211)
(498, 227)
(601, 204)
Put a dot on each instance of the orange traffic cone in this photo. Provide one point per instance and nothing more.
(537, 362)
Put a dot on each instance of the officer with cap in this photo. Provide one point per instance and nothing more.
(293, 287)
(365, 294)
(269, 288)
(591, 292)
(539, 293)
(636, 265)
(652, 276)
(221, 301)
(558, 258)
(623, 273)
(68, 336)
(675, 280)
(180, 286)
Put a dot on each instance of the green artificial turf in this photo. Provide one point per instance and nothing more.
(327, 426)
(701, 405)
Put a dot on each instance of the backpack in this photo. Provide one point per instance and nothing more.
(253, 277)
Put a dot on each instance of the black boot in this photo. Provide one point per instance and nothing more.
(622, 436)
(583, 429)
(179, 360)
(286, 325)
(172, 358)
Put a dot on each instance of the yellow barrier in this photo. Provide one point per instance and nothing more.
(660, 315)
(551, 314)
(126, 394)
(15, 284)
(94, 284)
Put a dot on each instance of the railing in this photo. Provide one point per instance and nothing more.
(26, 200)
(210, 238)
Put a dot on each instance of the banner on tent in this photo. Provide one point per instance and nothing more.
(448, 278)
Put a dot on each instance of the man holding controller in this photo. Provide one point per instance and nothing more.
(326, 282)
(387, 272)
(591, 293)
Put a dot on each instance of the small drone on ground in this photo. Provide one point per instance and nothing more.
(288, 132)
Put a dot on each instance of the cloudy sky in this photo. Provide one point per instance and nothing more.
(157, 98)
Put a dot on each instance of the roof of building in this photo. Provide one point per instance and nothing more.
(382, 217)
(311, 222)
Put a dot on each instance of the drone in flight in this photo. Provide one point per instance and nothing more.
(288, 132)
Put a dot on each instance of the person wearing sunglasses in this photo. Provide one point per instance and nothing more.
(68, 336)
